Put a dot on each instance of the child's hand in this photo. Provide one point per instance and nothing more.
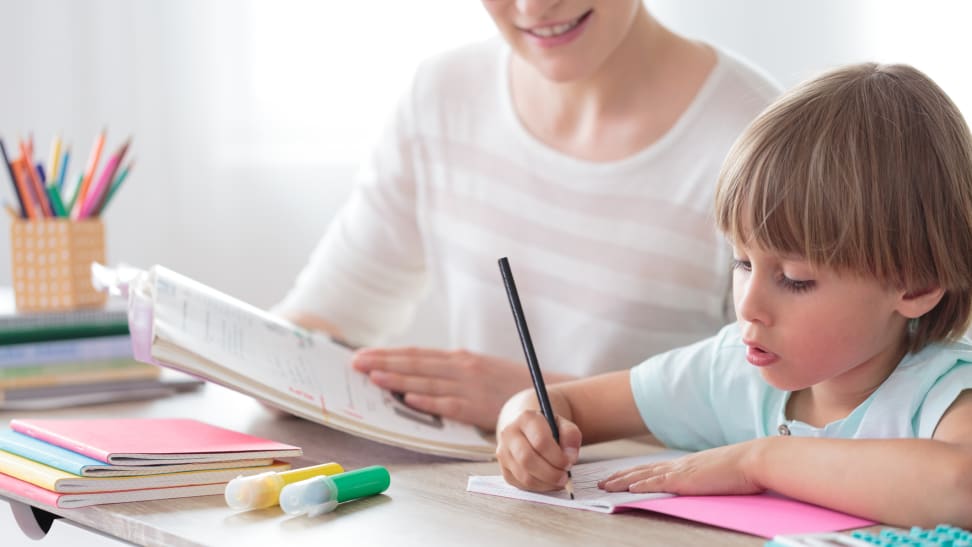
(722, 470)
(529, 456)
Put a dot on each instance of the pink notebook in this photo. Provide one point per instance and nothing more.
(153, 441)
(766, 515)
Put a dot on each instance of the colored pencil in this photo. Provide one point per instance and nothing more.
(13, 179)
(89, 174)
(34, 181)
(63, 168)
(96, 194)
(56, 204)
(75, 191)
(30, 199)
(114, 187)
(55, 158)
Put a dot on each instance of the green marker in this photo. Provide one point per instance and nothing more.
(321, 494)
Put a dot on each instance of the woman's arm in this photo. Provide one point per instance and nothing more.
(313, 322)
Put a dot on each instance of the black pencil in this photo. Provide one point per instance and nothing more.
(531, 356)
(13, 179)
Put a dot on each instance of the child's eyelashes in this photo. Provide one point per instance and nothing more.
(792, 285)
(743, 265)
(796, 285)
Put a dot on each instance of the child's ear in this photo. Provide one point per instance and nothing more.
(917, 303)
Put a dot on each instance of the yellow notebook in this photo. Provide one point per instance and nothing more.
(56, 480)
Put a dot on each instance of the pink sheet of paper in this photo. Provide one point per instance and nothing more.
(766, 515)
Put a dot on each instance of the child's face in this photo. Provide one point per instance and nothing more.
(804, 325)
(564, 40)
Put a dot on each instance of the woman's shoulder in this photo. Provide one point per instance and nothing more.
(461, 73)
(735, 92)
(738, 72)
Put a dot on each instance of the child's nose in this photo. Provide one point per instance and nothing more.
(751, 300)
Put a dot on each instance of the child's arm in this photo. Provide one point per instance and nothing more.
(897, 481)
(602, 407)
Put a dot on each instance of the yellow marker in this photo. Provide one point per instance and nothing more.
(263, 490)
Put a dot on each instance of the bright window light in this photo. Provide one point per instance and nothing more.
(324, 76)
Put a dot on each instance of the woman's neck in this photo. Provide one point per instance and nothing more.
(627, 104)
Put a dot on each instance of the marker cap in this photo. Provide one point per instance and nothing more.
(253, 492)
(245, 493)
(319, 495)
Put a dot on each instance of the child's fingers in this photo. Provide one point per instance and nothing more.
(622, 480)
(529, 456)
(538, 432)
(570, 440)
(521, 477)
(525, 468)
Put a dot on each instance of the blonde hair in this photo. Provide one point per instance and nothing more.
(867, 170)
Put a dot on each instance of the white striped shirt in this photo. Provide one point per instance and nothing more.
(614, 261)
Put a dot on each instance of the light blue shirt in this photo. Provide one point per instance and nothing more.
(707, 395)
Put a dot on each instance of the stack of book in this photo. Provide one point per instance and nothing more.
(76, 463)
(51, 360)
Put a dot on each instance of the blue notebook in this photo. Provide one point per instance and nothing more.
(78, 464)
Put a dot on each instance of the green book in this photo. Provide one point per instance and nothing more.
(20, 328)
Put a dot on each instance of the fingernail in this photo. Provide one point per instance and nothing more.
(571, 454)
(562, 481)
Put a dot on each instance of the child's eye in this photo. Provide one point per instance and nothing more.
(796, 285)
(744, 265)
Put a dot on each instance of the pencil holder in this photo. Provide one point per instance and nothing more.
(52, 263)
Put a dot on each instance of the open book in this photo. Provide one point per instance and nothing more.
(182, 324)
(766, 515)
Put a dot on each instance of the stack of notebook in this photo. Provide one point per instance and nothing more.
(57, 359)
(75, 463)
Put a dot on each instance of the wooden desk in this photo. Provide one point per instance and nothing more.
(427, 503)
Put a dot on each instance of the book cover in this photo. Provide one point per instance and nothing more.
(20, 327)
(150, 441)
(75, 373)
(56, 396)
(56, 480)
(182, 324)
(47, 498)
(65, 351)
(766, 515)
(79, 464)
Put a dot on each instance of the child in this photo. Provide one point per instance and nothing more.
(848, 204)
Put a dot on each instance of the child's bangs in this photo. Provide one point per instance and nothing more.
(789, 187)
(769, 198)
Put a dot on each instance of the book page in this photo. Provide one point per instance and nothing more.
(585, 476)
(300, 364)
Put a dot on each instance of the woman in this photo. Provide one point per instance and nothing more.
(584, 146)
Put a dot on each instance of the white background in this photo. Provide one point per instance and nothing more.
(248, 117)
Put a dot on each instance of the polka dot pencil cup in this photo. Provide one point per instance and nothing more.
(52, 263)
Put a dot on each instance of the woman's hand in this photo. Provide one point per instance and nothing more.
(455, 384)
(530, 458)
(723, 470)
